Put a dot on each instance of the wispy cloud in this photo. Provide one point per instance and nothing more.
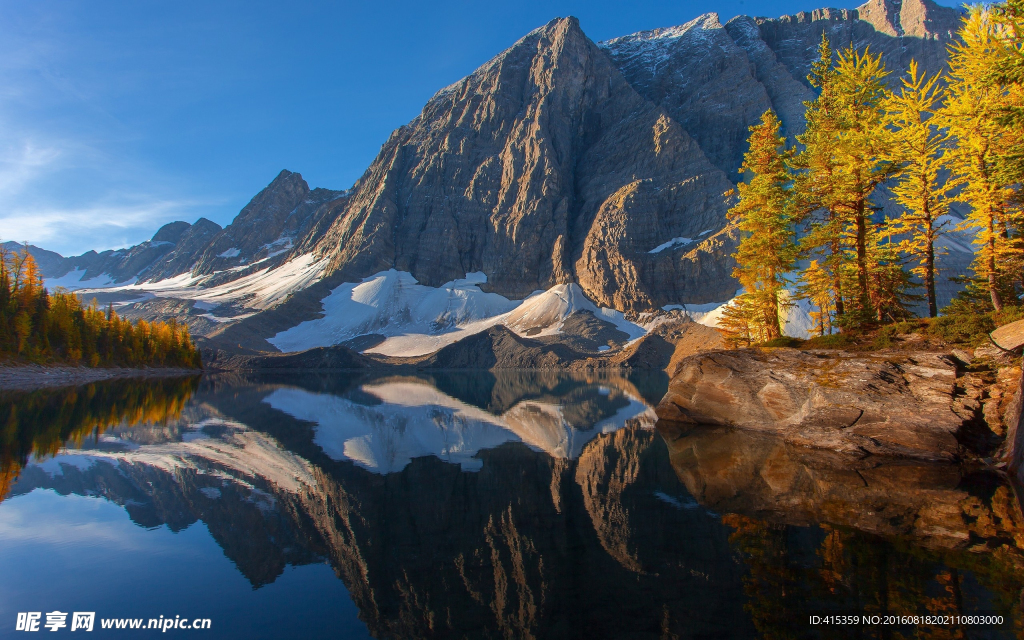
(99, 226)
(24, 161)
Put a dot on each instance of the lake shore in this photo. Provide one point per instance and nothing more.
(30, 377)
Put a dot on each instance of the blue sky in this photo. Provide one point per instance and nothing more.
(117, 117)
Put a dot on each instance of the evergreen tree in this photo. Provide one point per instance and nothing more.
(38, 326)
(1008, 72)
(817, 174)
(767, 249)
(917, 146)
(863, 151)
(816, 285)
(845, 157)
(972, 115)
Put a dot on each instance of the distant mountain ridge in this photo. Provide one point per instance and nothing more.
(560, 161)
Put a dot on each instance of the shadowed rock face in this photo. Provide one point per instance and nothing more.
(543, 167)
(186, 253)
(893, 404)
(269, 226)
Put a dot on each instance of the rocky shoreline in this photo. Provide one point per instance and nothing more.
(30, 377)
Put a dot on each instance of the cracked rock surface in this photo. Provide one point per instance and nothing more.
(894, 404)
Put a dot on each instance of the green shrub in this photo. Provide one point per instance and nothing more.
(969, 329)
(834, 341)
(784, 341)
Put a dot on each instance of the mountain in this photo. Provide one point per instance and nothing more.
(48, 261)
(560, 162)
(541, 168)
(108, 268)
(263, 231)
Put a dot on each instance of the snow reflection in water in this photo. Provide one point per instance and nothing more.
(414, 419)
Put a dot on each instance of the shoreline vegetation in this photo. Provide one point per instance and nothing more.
(38, 326)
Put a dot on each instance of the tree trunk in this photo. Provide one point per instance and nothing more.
(837, 278)
(862, 256)
(776, 322)
(929, 278)
(993, 286)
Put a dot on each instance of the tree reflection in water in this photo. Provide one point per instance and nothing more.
(41, 423)
(825, 534)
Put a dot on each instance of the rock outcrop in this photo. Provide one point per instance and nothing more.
(1009, 337)
(893, 404)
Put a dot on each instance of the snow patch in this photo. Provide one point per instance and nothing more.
(229, 253)
(72, 281)
(55, 466)
(671, 244)
(259, 290)
(652, 49)
(417, 320)
(548, 310)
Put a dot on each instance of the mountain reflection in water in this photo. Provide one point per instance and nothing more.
(521, 504)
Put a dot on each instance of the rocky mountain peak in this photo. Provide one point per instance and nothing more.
(914, 18)
(267, 227)
(171, 232)
(648, 42)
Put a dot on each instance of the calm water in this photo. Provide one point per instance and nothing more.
(474, 506)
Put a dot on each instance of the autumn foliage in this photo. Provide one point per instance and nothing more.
(37, 325)
(810, 213)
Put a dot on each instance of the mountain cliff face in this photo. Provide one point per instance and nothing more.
(543, 167)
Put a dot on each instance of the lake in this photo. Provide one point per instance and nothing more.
(476, 505)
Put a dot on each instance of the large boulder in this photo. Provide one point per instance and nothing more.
(1009, 336)
(896, 404)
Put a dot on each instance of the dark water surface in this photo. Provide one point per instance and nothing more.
(475, 505)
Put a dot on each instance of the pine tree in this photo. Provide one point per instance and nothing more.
(767, 249)
(740, 325)
(972, 114)
(863, 150)
(817, 174)
(844, 159)
(889, 281)
(1008, 72)
(816, 285)
(917, 146)
(41, 327)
